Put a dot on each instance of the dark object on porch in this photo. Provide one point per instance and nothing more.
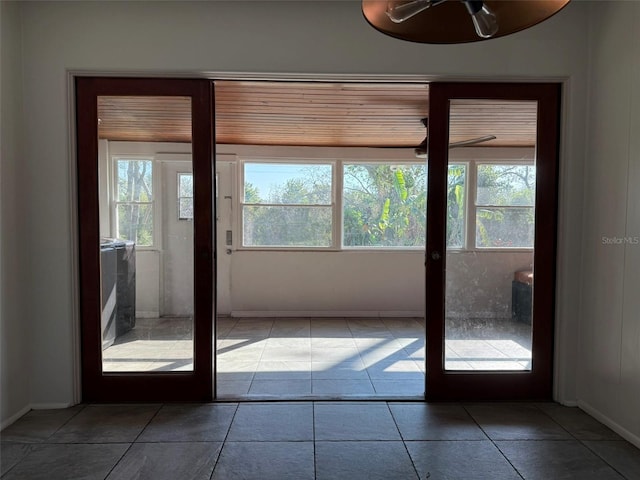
(522, 296)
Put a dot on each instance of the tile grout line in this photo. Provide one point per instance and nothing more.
(66, 422)
(404, 442)
(313, 434)
(580, 441)
(124, 454)
(224, 441)
(602, 458)
(255, 370)
(492, 442)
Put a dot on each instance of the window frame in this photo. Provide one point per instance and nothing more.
(340, 213)
(155, 205)
(241, 162)
(468, 192)
(473, 206)
(469, 157)
(180, 197)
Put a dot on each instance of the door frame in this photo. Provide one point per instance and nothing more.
(437, 150)
(197, 385)
(537, 383)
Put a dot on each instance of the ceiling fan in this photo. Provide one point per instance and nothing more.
(440, 21)
(422, 149)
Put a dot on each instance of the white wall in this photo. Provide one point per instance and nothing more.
(609, 380)
(328, 283)
(478, 284)
(304, 37)
(384, 283)
(15, 353)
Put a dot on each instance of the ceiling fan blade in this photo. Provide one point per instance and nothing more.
(421, 150)
(472, 141)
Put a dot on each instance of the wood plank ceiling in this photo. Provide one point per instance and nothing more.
(315, 114)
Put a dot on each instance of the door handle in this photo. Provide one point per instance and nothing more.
(435, 255)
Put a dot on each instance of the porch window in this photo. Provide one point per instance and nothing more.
(134, 201)
(505, 205)
(287, 205)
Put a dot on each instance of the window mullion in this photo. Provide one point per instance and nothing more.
(471, 206)
(287, 204)
(338, 173)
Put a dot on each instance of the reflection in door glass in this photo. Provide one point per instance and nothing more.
(489, 280)
(146, 248)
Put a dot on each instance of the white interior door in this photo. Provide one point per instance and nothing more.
(177, 250)
(225, 185)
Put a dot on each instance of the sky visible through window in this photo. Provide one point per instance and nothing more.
(267, 177)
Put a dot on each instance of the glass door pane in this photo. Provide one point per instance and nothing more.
(146, 234)
(489, 274)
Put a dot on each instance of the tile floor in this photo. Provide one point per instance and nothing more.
(315, 440)
(321, 358)
(155, 344)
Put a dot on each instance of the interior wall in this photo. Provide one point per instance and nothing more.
(384, 283)
(609, 380)
(280, 37)
(15, 354)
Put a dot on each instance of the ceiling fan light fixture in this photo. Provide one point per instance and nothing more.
(398, 13)
(484, 20)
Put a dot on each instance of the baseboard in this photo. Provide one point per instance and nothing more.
(144, 314)
(50, 406)
(328, 314)
(33, 406)
(620, 430)
(15, 417)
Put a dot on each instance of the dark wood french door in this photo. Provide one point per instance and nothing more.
(146, 290)
(490, 277)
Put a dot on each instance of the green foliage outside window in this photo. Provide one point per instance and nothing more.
(134, 201)
(294, 209)
(505, 206)
(384, 205)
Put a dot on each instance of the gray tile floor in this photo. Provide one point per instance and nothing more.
(321, 358)
(315, 440)
(298, 358)
(155, 344)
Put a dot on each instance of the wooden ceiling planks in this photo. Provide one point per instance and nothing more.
(320, 114)
(314, 114)
(145, 119)
(512, 122)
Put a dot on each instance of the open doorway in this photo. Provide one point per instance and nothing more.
(327, 292)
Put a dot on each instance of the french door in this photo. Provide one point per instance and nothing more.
(146, 265)
(490, 276)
